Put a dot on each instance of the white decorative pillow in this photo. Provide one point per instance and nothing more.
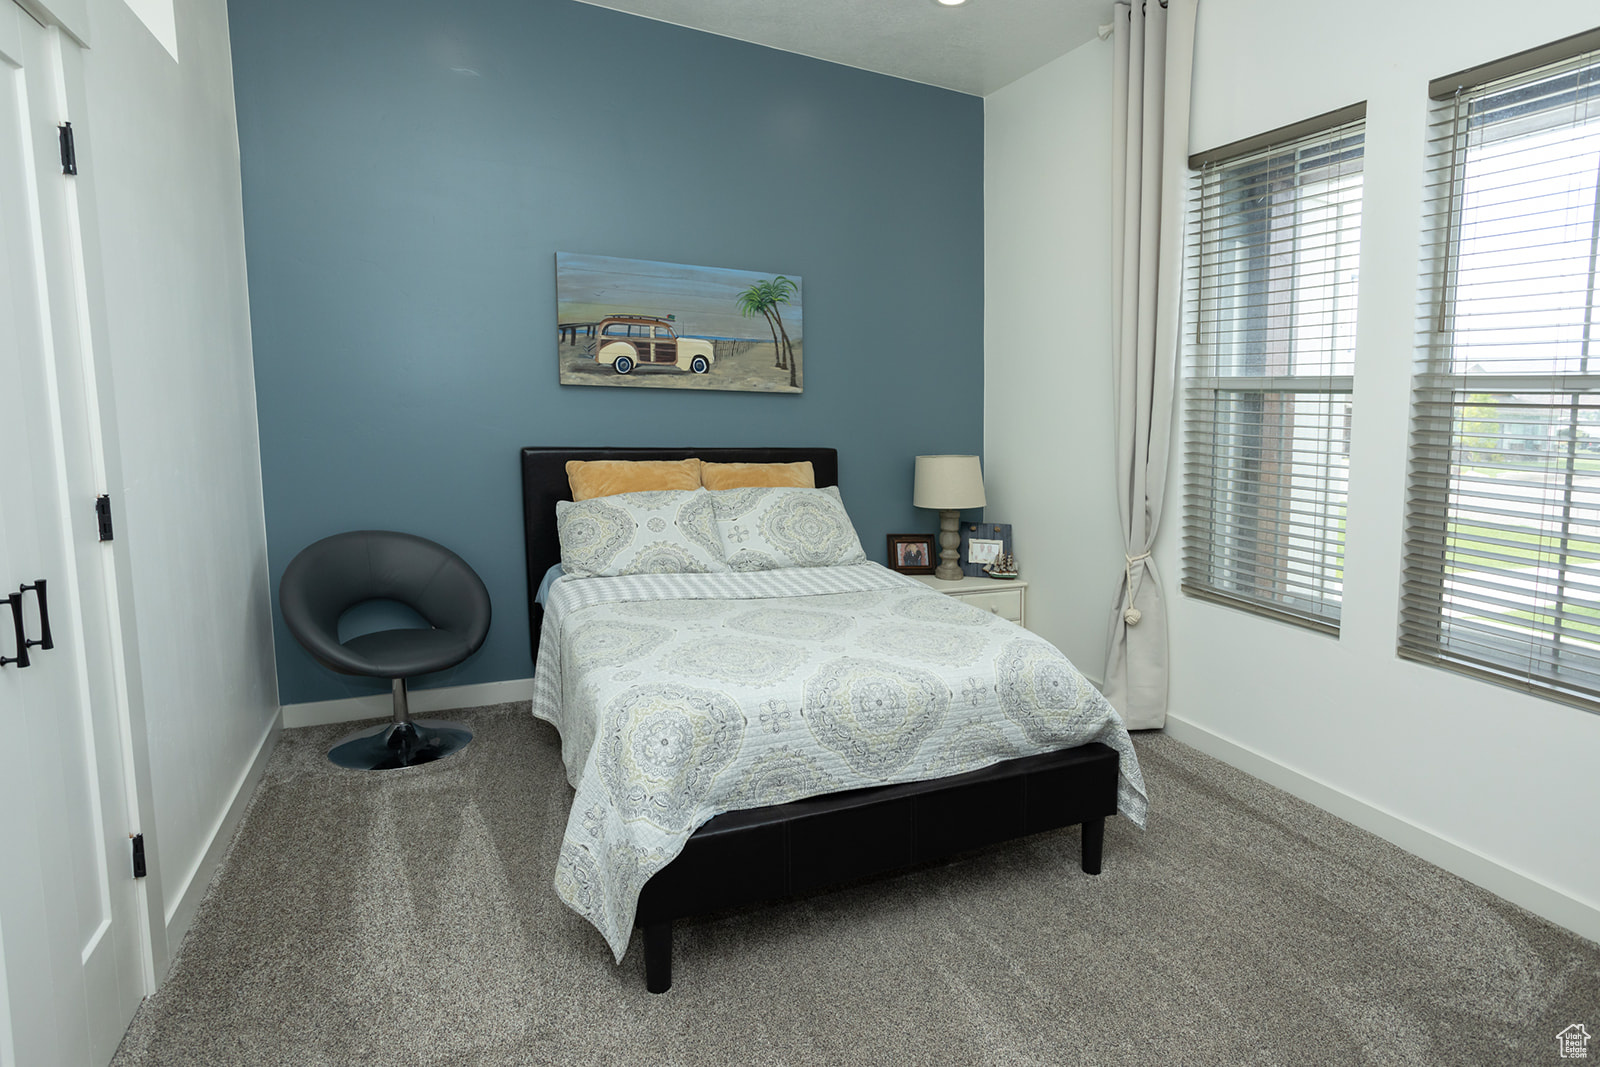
(672, 531)
(765, 528)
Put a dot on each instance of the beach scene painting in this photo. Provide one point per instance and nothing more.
(635, 323)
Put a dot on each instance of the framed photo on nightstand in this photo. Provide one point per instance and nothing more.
(981, 543)
(912, 553)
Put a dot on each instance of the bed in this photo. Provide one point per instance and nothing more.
(739, 737)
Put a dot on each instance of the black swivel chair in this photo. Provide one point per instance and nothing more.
(330, 577)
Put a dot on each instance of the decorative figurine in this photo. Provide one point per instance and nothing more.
(1004, 566)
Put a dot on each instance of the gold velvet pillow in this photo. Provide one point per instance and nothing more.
(747, 475)
(608, 477)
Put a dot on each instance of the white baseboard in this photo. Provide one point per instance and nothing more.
(1581, 917)
(424, 701)
(187, 899)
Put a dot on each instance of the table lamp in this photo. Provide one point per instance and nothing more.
(948, 484)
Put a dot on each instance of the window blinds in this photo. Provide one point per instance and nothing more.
(1274, 245)
(1502, 549)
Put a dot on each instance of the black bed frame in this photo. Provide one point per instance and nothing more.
(742, 857)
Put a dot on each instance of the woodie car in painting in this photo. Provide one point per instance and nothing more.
(627, 341)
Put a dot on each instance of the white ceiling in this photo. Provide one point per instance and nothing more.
(976, 48)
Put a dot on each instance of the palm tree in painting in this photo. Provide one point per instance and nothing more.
(755, 301)
(766, 298)
(781, 289)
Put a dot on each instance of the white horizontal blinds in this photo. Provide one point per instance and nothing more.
(1502, 573)
(1275, 241)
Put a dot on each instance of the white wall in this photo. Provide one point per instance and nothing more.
(1495, 785)
(159, 147)
(1047, 338)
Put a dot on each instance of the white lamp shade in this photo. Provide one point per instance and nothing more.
(948, 482)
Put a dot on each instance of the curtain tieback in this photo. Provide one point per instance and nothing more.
(1130, 614)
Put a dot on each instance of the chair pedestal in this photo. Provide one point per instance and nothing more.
(402, 702)
(403, 742)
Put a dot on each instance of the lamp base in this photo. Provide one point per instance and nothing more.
(949, 539)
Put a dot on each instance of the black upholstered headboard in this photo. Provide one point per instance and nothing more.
(544, 481)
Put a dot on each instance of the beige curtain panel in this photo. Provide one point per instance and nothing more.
(1150, 130)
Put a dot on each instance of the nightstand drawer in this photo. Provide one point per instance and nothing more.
(1007, 604)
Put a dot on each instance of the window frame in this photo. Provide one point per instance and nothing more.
(1212, 547)
(1512, 659)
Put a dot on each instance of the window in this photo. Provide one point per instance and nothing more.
(1274, 248)
(1502, 572)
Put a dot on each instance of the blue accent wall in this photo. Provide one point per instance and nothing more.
(410, 170)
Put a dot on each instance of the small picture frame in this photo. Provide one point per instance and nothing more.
(981, 543)
(912, 553)
(983, 552)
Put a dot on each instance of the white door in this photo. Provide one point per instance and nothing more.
(75, 951)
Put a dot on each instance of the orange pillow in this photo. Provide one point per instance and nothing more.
(608, 477)
(746, 475)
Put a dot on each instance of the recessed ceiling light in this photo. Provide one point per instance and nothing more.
(952, 3)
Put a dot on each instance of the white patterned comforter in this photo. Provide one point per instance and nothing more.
(682, 696)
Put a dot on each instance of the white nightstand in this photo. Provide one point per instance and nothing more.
(1004, 598)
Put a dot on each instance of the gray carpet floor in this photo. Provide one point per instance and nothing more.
(408, 918)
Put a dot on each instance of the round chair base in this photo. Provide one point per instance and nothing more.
(400, 744)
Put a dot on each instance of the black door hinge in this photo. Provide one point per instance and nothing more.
(102, 510)
(69, 151)
(138, 856)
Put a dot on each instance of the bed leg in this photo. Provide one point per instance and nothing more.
(658, 956)
(1094, 835)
